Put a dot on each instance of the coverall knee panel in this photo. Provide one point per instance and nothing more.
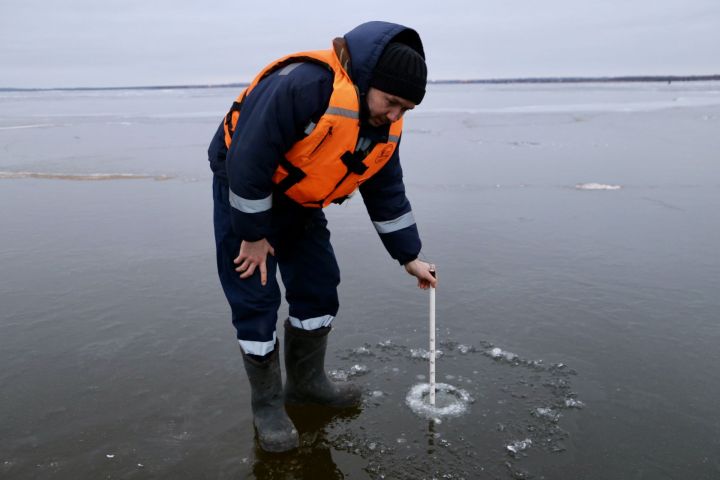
(309, 270)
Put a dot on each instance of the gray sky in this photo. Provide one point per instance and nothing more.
(66, 43)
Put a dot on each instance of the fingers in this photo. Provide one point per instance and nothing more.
(249, 271)
(263, 274)
(244, 265)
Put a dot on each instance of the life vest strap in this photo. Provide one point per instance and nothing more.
(354, 161)
(294, 175)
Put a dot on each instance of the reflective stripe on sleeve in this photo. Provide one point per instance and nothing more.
(311, 323)
(310, 127)
(289, 68)
(258, 348)
(250, 206)
(396, 224)
(343, 112)
(393, 138)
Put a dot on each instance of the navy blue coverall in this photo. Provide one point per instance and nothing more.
(248, 206)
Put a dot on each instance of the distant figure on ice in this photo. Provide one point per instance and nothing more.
(311, 129)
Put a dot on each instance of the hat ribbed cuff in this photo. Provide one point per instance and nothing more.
(398, 86)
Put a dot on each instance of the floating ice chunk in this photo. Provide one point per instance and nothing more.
(573, 403)
(548, 413)
(343, 375)
(597, 186)
(499, 354)
(449, 401)
(339, 375)
(464, 349)
(377, 394)
(385, 344)
(110, 455)
(362, 351)
(424, 354)
(358, 369)
(519, 446)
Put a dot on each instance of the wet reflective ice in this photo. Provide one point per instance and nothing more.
(575, 230)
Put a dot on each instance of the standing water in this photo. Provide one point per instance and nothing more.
(575, 227)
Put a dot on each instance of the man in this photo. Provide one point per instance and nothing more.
(311, 129)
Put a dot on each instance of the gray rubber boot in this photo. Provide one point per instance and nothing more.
(275, 430)
(307, 383)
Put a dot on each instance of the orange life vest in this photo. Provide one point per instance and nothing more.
(323, 167)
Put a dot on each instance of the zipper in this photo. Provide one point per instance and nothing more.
(327, 134)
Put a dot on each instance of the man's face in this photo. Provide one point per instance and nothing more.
(384, 108)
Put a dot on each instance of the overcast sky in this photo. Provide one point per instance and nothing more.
(64, 43)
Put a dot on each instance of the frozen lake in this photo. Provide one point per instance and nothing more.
(575, 229)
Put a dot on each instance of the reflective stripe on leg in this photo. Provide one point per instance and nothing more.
(311, 323)
(258, 348)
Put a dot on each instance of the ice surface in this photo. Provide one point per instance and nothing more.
(82, 176)
(597, 186)
(449, 401)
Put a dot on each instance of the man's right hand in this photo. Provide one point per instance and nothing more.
(253, 255)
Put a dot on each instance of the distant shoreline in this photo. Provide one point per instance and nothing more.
(490, 81)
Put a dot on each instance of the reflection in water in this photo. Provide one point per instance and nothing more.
(313, 460)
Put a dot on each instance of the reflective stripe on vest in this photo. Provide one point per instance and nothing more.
(323, 167)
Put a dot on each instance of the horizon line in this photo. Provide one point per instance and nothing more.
(573, 79)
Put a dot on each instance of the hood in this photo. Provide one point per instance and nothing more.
(366, 43)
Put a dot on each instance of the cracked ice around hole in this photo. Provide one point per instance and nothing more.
(449, 401)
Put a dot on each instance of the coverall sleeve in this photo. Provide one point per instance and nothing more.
(390, 211)
(272, 118)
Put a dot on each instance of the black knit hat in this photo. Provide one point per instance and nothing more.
(401, 71)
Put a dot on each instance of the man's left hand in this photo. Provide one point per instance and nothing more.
(421, 270)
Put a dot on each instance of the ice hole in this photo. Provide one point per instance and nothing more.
(449, 401)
